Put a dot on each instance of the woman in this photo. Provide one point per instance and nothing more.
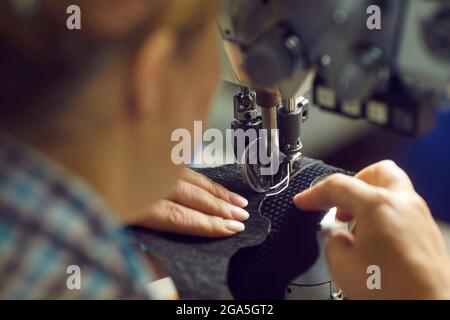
(94, 109)
(99, 105)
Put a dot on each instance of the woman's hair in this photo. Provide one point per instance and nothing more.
(40, 57)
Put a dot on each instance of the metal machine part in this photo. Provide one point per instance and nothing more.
(327, 46)
(291, 116)
(263, 183)
(246, 118)
(245, 106)
(269, 102)
(263, 175)
(360, 74)
(280, 144)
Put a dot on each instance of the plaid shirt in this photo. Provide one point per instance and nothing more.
(51, 222)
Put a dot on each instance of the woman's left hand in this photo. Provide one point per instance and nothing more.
(200, 207)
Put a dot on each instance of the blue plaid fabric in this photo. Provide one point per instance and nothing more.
(50, 221)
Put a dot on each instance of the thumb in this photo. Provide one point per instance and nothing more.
(340, 256)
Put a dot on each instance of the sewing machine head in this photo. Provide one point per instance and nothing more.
(385, 61)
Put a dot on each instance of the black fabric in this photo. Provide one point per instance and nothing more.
(289, 249)
(199, 266)
(279, 243)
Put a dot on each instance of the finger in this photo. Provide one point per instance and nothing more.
(343, 216)
(386, 174)
(341, 258)
(214, 188)
(169, 216)
(346, 193)
(339, 247)
(199, 199)
(346, 217)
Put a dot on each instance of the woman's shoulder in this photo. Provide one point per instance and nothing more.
(57, 239)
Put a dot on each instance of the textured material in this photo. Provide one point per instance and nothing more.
(199, 266)
(291, 246)
(279, 243)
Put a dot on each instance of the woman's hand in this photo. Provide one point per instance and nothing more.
(198, 206)
(394, 231)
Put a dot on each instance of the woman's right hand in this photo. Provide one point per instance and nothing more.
(394, 230)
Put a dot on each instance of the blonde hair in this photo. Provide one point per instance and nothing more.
(38, 54)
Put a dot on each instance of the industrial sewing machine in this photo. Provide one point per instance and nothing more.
(392, 72)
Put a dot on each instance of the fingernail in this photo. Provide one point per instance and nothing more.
(239, 200)
(297, 199)
(234, 226)
(239, 213)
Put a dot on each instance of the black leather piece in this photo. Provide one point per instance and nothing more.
(279, 243)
